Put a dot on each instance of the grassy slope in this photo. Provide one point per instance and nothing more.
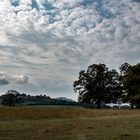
(67, 123)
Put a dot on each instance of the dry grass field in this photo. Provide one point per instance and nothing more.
(68, 123)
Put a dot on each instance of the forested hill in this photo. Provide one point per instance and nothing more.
(23, 99)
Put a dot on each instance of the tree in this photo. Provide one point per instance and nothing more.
(98, 84)
(131, 83)
(124, 67)
(11, 98)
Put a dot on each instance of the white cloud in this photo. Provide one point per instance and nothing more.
(6, 79)
(21, 79)
(61, 37)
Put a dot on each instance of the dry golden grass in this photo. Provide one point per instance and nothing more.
(68, 123)
(60, 112)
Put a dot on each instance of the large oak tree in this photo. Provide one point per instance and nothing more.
(97, 84)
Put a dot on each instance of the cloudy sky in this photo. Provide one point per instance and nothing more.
(45, 43)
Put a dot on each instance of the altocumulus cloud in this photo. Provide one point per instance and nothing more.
(51, 40)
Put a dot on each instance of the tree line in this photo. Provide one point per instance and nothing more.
(99, 84)
(14, 98)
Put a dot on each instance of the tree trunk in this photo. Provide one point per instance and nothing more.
(98, 104)
(132, 104)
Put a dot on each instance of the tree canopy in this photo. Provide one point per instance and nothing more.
(98, 84)
(11, 98)
(131, 82)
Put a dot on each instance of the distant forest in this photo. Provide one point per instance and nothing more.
(13, 98)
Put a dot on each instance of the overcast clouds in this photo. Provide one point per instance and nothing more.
(45, 43)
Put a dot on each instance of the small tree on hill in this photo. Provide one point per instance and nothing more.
(11, 98)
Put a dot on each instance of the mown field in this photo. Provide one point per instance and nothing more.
(68, 123)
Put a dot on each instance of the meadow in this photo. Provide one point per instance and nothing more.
(68, 123)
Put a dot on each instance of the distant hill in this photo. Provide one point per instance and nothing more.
(65, 99)
(43, 100)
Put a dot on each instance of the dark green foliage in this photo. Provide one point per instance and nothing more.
(45, 100)
(98, 84)
(11, 98)
(131, 82)
(123, 68)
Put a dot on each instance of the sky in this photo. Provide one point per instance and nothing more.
(45, 43)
